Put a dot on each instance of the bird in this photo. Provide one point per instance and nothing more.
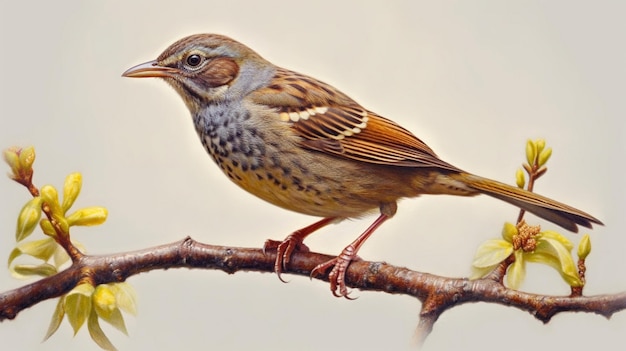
(303, 145)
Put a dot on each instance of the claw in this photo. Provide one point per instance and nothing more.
(284, 251)
(293, 242)
(337, 275)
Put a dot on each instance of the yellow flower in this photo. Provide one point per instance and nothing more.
(88, 304)
(527, 244)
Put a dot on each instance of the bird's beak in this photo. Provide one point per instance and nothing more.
(150, 69)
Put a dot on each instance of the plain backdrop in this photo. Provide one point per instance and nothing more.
(473, 79)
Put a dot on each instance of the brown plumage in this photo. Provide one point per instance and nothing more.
(305, 146)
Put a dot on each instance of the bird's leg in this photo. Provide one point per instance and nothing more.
(340, 263)
(293, 242)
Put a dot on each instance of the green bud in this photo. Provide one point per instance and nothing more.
(71, 189)
(51, 198)
(28, 218)
(531, 152)
(541, 144)
(104, 301)
(27, 158)
(584, 247)
(47, 228)
(520, 179)
(544, 156)
(12, 158)
(106, 306)
(88, 216)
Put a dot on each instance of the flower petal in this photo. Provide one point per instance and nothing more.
(492, 252)
(57, 318)
(77, 305)
(517, 271)
(556, 249)
(97, 334)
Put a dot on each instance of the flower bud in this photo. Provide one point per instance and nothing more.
(27, 158)
(47, 227)
(12, 158)
(104, 301)
(544, 156)
(541, 144)
(71, 189)
(584, 247)
(520, 179)
(28, 218)
(531, 152)
(88, 216)
(51, 198)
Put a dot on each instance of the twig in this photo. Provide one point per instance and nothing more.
(436, 293)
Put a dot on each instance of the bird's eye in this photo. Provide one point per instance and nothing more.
(194, 60)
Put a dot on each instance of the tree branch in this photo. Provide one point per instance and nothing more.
(436, 293)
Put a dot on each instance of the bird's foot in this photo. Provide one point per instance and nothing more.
(337, 275)
(284, 250)
(293, 242)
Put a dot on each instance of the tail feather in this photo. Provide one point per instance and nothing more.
(561, 214)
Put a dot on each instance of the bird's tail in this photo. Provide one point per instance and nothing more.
(561, 214)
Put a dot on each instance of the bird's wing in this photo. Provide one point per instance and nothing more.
(331, 122)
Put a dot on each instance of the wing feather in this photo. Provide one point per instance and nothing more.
(331, 122)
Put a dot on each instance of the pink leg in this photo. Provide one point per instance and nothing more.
(292, 242)
(340, 263)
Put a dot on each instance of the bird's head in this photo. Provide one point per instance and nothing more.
(207, 68)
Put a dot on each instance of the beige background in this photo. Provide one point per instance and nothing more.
(474, 79)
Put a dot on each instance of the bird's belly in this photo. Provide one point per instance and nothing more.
(297, 188)
(310, 183)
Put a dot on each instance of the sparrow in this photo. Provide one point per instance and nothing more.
(305, 146)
